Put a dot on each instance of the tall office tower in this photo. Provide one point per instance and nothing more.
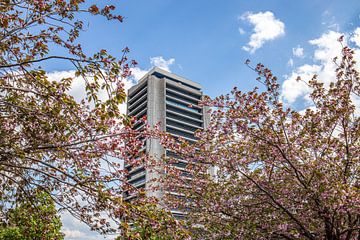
(172, 101)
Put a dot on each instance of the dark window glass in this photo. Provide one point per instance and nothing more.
(180, 133)
(172, 94)
(137, 91)
(179, 125)
(184, 112)
(197, 96)
(138, 181)
(184, 119)
(180, 104)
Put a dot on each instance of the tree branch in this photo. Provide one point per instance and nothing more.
(44, 59)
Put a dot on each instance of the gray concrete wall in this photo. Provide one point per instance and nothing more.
(155, 115)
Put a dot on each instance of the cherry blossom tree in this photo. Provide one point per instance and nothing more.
(262, 170)
(69, 150)
(156, 224)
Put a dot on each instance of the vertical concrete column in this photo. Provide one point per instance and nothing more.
(156, 114)
(206, 115)
(206, 122)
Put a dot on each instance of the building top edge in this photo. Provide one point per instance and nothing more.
(160, 72)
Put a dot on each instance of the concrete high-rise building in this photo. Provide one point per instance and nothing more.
(172, 101)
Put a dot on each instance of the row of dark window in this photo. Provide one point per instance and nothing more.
(185, 119)
(182, 105)
(182, 96)
(138, 180)
(180, 133)
(136, 99)
(183, 112)
(182, 118)
(138, 102)
(130, 175)
(183, 91)
(180, 125)
(131, 96)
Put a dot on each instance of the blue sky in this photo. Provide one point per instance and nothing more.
(204, 39)
(208, 41)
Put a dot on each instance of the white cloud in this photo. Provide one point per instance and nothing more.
(78, 86)
(290, 63)
(242, 31)
(356, 37)
(298, 51)
(266, 28)
(327, 47)
(76, 230)
(356, 101)
(159, 61)
(292, 88)
(74, 234)
(329, 20)
(137, 73)
(128, 83)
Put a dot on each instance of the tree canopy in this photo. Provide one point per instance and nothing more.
(263, 170)
(68, 149)
(33, 218)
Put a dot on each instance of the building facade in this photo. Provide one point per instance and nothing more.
(172, 101)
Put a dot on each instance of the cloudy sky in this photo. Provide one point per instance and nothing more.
(208, 41)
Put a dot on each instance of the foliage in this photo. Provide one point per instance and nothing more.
(155, 224)
(68, 149)
(33, 218)
(10, 233)
(265, 171)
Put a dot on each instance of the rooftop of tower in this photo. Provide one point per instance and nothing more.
(160, 73)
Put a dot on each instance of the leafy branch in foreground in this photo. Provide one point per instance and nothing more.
(276, 173)
(32, 218)
(70, 150)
